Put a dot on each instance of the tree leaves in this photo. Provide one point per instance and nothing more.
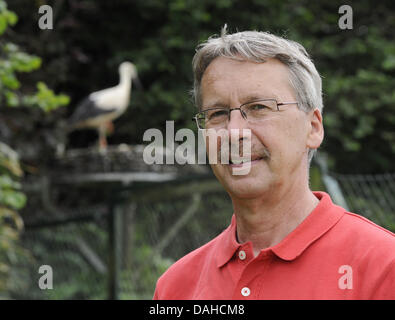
(7, 18)
(45, 98)
(12, 61)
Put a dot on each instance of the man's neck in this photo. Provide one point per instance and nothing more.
(265, 223)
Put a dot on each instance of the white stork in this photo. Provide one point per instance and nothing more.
(100, 108)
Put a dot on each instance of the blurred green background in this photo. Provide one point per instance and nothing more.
(45, 73)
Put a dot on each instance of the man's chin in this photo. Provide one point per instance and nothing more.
(246, 192)
(245, 187)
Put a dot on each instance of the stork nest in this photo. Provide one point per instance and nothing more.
(119, 159)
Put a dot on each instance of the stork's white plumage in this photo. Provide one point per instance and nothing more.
(100, 108)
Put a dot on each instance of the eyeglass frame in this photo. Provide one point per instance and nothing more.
(195, 118)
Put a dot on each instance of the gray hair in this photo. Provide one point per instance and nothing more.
(258, 47)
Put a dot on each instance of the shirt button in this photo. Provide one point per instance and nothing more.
(242, 255)
(245, 291)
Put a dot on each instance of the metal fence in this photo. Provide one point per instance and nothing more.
(116, 247)
(372, 196)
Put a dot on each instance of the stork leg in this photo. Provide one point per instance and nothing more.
(102, 138)
(109, 127)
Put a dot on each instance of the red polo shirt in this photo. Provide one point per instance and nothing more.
(332, 254)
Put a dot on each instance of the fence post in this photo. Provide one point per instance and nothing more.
(330, 183)
(115, 241)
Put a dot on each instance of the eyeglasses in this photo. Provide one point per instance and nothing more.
(253, 112)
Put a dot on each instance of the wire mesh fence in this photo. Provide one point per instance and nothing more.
(144, 233)
(65, 248)
(372, 196)
(118, 249)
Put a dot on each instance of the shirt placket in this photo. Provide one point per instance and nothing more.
(252, 277)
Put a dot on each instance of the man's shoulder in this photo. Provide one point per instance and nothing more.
(371, 249)
(357, 231)
(363, 226)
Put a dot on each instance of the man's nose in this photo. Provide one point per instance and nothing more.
(236, 123)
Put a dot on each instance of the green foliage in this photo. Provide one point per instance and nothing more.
(360, 103)
(316, 179)
(160, 37)
(46, 99)
(12, 61)
(7, 17)
(374, 211)
(357, 65)
(11, 199)
(139, 281)
(74, 278)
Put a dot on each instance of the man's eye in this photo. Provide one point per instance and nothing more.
(217, 114)
(257, 107)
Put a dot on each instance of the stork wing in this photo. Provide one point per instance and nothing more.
(117, 97)
(88, 109)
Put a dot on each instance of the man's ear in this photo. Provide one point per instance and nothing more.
(315, 134)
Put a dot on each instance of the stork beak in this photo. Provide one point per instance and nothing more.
(138, 84)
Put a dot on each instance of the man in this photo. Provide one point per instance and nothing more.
(284, 241)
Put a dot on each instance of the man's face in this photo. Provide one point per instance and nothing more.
(279, 142)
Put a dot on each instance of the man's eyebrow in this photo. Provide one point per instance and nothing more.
(215, 104)
(262, 96)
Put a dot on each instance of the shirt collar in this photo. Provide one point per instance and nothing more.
(317, 223)
(227, 244)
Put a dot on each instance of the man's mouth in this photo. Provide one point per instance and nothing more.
(241, 161)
